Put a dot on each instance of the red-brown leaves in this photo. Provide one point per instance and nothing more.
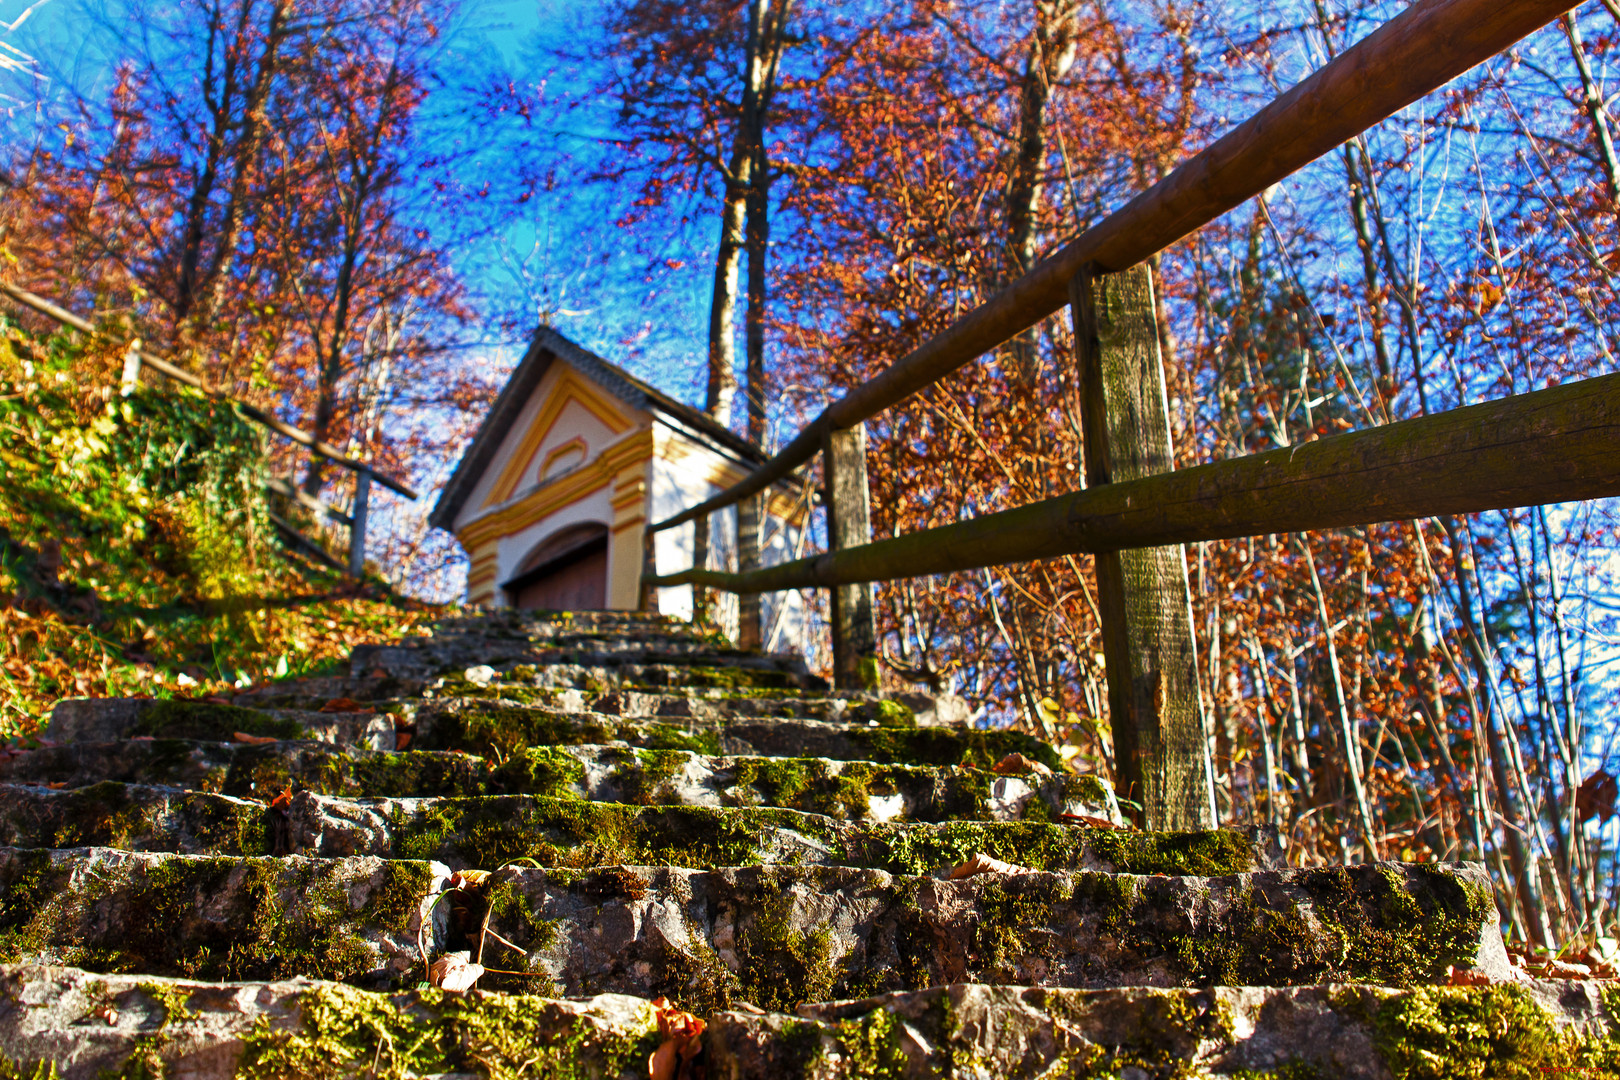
(455, 972)
(675, 1058)
(253, 740)
(1595, 797)
(984, 864)
(346, 705)
(1016, 764)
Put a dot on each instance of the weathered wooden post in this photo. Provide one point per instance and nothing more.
(649, 568)
(1161, 741)
(131, 377)
(700, 561)
(357, 524)
(849, 524)
(750, 513)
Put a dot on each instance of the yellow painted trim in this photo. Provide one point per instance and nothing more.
(629, 523)
(590, 478)
(569, 387)
(558, 451)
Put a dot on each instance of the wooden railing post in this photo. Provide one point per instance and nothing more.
(849, 524)
(700, 561)
(649, 568)
(131, 377)
(357, 524)
(750, 515)
(1161, 744)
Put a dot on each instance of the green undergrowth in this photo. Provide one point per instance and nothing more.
(135, 548)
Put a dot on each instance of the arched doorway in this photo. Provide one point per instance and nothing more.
(567, 571)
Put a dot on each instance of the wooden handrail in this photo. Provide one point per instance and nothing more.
(288, 490)
(163, 367)
(1554, 445)
(1415, 53)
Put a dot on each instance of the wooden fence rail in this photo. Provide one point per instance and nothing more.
(1561, 444)
(136, 359)
(1415, 53)
(1550, 446)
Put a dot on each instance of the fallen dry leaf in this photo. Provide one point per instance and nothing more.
(1456, 976)
(402, 739)
(455, 972)
(252, 740)
(984, 864)
(343, 704)
(1563, 969)
(215, 699)
(465, 879)
(1016, 764)
(683, 1041)
(283, 800)
(57, 785)
(1089, 819)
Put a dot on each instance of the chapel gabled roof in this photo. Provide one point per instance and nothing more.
(548, 347)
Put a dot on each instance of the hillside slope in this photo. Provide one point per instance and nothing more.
(136, 554)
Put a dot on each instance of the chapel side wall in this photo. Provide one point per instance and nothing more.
(627, 535)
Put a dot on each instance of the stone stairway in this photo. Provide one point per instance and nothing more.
(602, 810)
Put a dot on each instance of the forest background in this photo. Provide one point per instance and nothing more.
(354, 211)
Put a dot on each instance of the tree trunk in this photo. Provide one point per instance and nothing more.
(1052, 49)
(764, 50)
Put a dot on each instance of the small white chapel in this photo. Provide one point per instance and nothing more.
(576, 456)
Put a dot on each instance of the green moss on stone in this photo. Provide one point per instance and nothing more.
(1203, 854)
(1363, 927)
(223, 826)
(948, 746)
(871, 1046)
(174, 1001)
(211, 723)
(781, 966)
(1444, 1033)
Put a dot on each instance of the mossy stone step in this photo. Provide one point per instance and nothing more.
(485, 727)
(667, 663)
(780, 936)
(352, 920)
(70, 1024)
(844, 789)
(110, 719)
(775, 936)
(315, 691)
(601, 675)
(1241, 1033)
(87, 1026)
(492, 831)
